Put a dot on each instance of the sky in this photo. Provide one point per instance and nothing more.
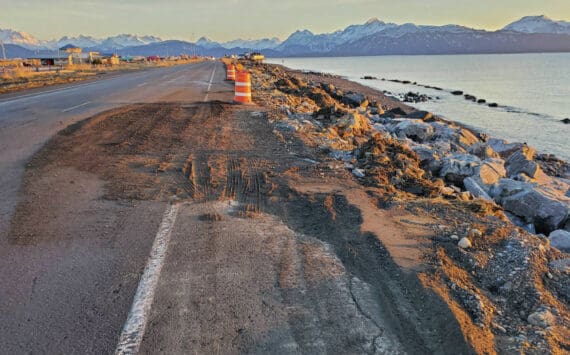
(223, 20)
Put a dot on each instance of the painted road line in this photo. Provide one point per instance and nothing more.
(134, 328)
(75, 107)
(210, 84)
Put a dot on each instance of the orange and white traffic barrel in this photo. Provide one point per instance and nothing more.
(231, 72)
(243, 88)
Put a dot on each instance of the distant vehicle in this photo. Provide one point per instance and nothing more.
(255, 57)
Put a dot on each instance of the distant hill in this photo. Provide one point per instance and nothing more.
(374, 37)
(454, 43)
(539, 24)
(15, 51)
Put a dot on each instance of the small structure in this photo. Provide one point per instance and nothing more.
(74, 54)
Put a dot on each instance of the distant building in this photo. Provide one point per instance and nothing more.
(75, 54)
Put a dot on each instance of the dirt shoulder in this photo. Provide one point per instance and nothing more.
(505, 286)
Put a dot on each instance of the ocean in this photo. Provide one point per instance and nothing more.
(532, 90)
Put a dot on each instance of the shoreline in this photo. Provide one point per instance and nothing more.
(532, 165)
(499, 208)
(517, 100)
(399, 103)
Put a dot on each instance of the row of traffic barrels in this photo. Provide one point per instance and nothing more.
(242, 81)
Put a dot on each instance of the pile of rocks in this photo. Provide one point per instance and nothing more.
(490, 169)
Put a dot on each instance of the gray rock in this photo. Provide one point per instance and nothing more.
(359, 173)
(508, 187)
(464, 243)
(560, 239)
(457, 167)
(416, 130)
(561, 265)
(422, 115)
(355, 99)
(465, 138)
(541, 319)
(503, 148)
(443, 131)
(546, 213)
(472, 186)
(429, 158)
(482, 151)
(521, 161)
(490, 172)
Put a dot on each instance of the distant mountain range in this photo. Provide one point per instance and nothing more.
(375, 37)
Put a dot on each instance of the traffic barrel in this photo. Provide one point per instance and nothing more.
(231, 72)
(243, 88)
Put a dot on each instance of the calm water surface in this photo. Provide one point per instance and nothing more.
(532, 89)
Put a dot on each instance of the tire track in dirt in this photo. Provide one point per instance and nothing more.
(205, 153)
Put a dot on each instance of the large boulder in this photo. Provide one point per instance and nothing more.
(545, 212)
(560, 239)
(482, 151)
(416, 130)
(455, 168)
(472, 186)
(465, 138)
(521, 162)
(352, 124)
(429, 158)
(355, 99)
(421, 115)
(490, 172)
(504, 148)
(508, 187)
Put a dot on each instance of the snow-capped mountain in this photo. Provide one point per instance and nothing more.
(28, 41)
(538, 24)
(127, 40)
(257, 44)
(80, 41)
(23, 39)
(207, 43)
(309, 42)
(374, 37)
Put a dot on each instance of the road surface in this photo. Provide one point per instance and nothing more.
(175, 222)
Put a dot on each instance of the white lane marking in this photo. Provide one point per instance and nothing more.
(210, 84)
(142, 84)
(134, 328)
(74, 107)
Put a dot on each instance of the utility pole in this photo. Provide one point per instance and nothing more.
(3, 50)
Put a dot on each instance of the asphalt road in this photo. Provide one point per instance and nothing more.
(72, 294)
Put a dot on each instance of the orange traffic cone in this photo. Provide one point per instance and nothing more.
(243, 88)
(231, 73)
